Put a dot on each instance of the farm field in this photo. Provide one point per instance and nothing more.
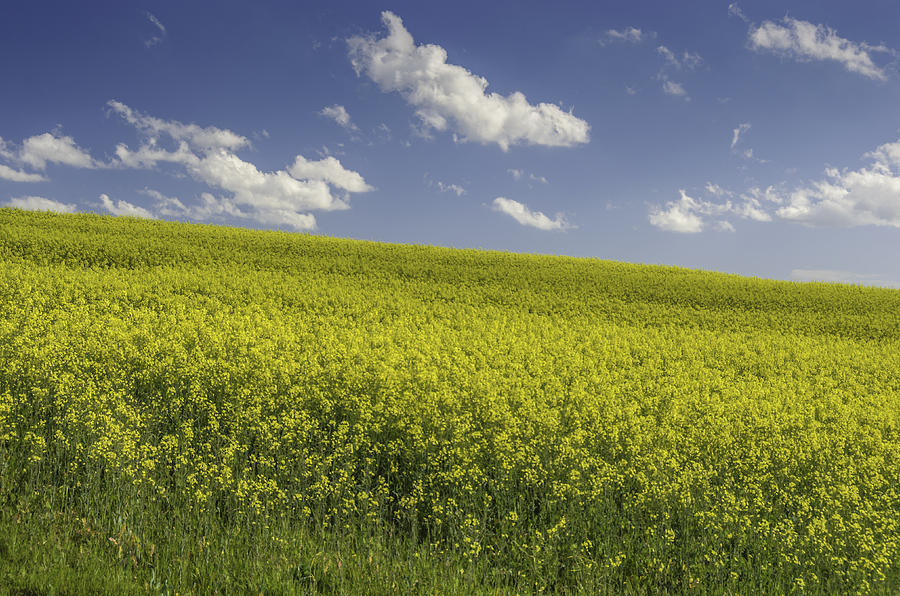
(197, 409)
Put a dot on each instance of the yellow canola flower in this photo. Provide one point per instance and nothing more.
(563, 409)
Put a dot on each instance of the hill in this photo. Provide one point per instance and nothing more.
(198, 408)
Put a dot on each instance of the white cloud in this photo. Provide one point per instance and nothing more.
(522, 174)
(447, 96)
(630, 90)
(527, 217)
(667, 54)
(724, 226)
(6, 151)
(748, 154)
(737, 132)
(288, 217)
(688, 215)
(736, 135)
(887, 154)
(168, 206)
(846, 277)
(384, 131)
(735, 10)
(454, 188)
(339, 114)
(687, 59)
(159, 36)
(803, 40)
(198, 138)
(769, 195)
(673, 88)
(212, 206)
(716, 190)
(330, 170)
(629, 34)
(265, 190)
(443, 186)
(40, 204)
(207, 154)
(209, 207)
(124, 208)
(751, 208)
(846, 198)
(39, 150)
(682, 216)
(7, 173)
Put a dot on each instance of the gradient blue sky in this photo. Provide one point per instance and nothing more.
(755, 138)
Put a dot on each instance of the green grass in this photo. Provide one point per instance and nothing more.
(197, 409)
(47, 551)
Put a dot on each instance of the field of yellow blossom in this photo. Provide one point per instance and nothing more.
(192, 408)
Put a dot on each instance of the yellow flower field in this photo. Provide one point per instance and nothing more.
(567, 420)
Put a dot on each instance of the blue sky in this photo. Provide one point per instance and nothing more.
(755, 138)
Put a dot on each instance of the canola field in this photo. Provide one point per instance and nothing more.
(528, 422)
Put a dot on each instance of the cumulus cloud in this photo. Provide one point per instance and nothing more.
(161, 31)
(339, 114)
(330, 170)
(278, 190)
(40, 204)
(865, 196)
(447, 96)
(751, 208)
(527, 217)
(208, 155)
(124, 208)
(39, 150)
(8, 173)
(803, 40)
(689, 215)
(846, 198)
(628, 34)
(682, 216)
